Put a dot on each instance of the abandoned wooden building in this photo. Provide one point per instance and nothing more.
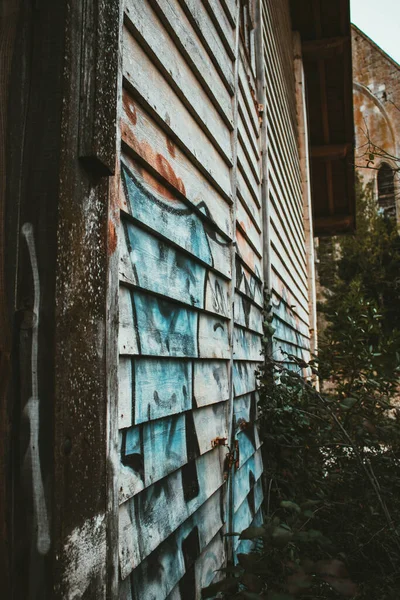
(163, 163)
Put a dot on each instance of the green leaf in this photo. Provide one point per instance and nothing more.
(281, 537)
(288, 505)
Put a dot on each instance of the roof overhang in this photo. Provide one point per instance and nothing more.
(324, 26)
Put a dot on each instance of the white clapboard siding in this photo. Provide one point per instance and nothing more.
(152, 34)
(169, 110)
(205, 28)
(191, 268)
(288, 257)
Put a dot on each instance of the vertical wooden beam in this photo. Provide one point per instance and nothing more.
(307, 207)
(9, 13)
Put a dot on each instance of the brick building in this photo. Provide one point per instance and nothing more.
(376, 90)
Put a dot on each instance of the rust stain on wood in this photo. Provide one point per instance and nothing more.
(171, 147)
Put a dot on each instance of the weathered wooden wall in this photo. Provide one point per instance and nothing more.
(288, 253)
(190, 293)
(156, 273)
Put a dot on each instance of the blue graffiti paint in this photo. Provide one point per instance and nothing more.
(164, 328)
(161, 268)
(174, 220)
(162, 388)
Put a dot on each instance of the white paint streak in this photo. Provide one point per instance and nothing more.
(85, 555)
(32, 407)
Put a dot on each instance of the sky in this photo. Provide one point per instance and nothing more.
(380, 20)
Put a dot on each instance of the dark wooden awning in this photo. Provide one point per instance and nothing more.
(324, 26)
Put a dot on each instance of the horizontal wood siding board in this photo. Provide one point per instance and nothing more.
(280, 272)
(161, 156)
(185, 37)
(158, 575)
(247, 174)
(229, 7)
(280, 289)
(284, 308)
(286, 224)
(252, 205)
(155, 449)
(246, 477)
(280, 249)
(247, 546)
(286, 220)
(208, 34)
(222, 25)
(247, 284)
(153, 326)
(247, 148)
(149, 264)
(280, 239)
(149, 86)
(279, 83)
(153, 388)
(288, 274)
(297, 327)
(282, 348)
(147, 518)
(295, 216)
(254, 140)
(247, 314)
(276, 107)
(249, 222)
(247, 94)
(285, 175)
(244, 377)
(246, 345)
(246, 512)
(246, 254)
(149, 32)
(168, 218)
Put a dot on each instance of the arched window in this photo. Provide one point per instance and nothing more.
(386, 198)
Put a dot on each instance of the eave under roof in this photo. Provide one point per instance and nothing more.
(325, 30)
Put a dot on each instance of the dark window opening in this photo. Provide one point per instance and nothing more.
(386, 195)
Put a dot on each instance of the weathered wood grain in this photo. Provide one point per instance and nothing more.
(157, 576)
(211, 40)
(172, 110)
(153, 519)
(248, 227)
(167, 216)
(288, 313)
(252, 154)
(151, 451)
(247, 284)
(162, 387)
(247, 254)
(222, 24)
(247, 314)
(248, 95)
(245, 478)
(125, 403)
(178, 26)
(246, 345)
(210, 382)
(246, 546)
(244, 378)
(247, 510)
(162, 156)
